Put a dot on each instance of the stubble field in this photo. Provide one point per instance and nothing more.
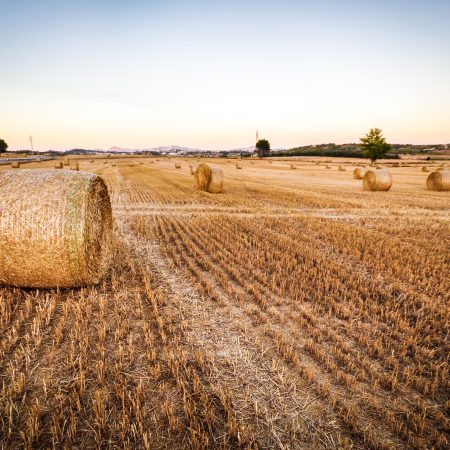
(293, 310)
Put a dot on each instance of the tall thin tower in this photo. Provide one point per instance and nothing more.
(31, 143)
(257, 135)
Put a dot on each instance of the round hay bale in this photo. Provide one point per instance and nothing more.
(341, 169)
(58, 165)
(293, 166)
(359, 172)
(141, 163)
(39, 160)
(74, 166)
(15, 165)
(238, 166)
(66, 161)
(105, 162)
(252, 162)
(208, 179)
(377, 180)
(425, 169)
(439, 181)
(113, 164)
(177, 166)
(328, 166)
(91, 161)
(55, 228)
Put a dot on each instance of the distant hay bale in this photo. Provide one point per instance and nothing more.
(238, 166)
(317, 163)
(113, 164)
(439, 181)
(377, 180)
(91, 160)
(141, 163)
(192, 170)
(55, 228)
(177, 166)
(39, 160)
(58, 165)
(74, 166)
(359, 172)
(341, 169)
(15, 165)
(208, 179)
(66, 161)
(328, 166)
(425, 169)
(252, 162)
(293, 166)
(105, 162)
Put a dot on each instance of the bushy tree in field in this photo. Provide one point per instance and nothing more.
(3, 146)
(263, 147)
(374, 144)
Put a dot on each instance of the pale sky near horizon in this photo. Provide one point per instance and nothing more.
(207, 74)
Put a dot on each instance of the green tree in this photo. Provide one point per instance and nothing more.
(374, 144)
(3, 146)
(263, 147)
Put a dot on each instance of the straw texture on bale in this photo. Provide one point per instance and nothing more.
(15, 164)
(439, 181)
(58, 165)
(208, 179)
(177, 166)
(377, 180)
(359, 172)
(55, 228)
(425, 169)
(74, 166)
(341, 168)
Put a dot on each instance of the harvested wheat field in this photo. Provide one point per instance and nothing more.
(292, 310)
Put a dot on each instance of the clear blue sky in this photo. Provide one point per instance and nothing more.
(98, 73)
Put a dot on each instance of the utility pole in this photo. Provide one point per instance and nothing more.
(31, 142)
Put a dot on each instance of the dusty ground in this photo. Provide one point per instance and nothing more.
(294, 310)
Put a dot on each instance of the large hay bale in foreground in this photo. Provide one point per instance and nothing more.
(359, 172)
(377, 180)
(439, 181)
(55, 228)
(208, 179)
(15, 165)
